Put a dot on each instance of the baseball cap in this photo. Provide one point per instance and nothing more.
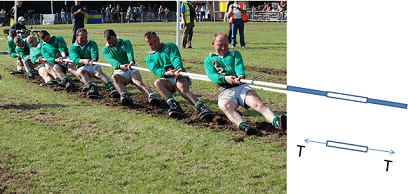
(21, 18)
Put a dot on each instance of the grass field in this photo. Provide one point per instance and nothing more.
(52, 142)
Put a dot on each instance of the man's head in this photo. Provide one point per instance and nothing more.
(12, 33)
(81, 36)
(45, 36)
(220, 43)
(19, 3)
(152, 40)
(21, 20)
(18, 41)
(32, 41)
(77, 3)
(110, 37)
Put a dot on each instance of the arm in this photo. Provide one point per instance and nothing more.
(175, 58)
(20, 52)
(94, 51)
(47, 55)
(154, 67)
(12, 49)
(239, 64)
(62, 45)
(74, 56)
(212, 72)
(129, 51)
(110, 59)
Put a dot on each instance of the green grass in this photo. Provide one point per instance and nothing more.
(52, 143)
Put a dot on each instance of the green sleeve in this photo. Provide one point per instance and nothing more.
(74, 55)
(62, 45)
(175, 57)
(110, 59)
(20, 51)
(212, 72)
(129, 51)
(46, 54)
(11, 48)
(154, 67)
(239, 64)
(94, 51)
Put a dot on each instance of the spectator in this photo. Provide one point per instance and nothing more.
(134, 14)
(236, 13)
(78, 15)
(63, 17)
(118, 11)
(142, 10)
(197, 10)
(2, 17)
(202, 13)
(155, 10)
(229, 34)
(20, 10)
(103, 12)
(187, 15)
(166, 15)
(129, 14)
(161, 13)
(19, 27)
(149, 8)
(108, 13)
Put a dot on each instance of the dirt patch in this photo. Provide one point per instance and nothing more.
(9, 179)
(267, 71)
(219, 123)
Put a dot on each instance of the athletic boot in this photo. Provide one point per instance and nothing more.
(59, 82)
(47, 84)
(31, 76)
(125, 99)
(153, 99)
(249, 130)
(17, 72)
(69, 86)
(175, 109)
(93, 92)
(114, 94)
(35, 72)
(204, 112)
(283, 122)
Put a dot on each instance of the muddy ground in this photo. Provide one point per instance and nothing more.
(219, 123)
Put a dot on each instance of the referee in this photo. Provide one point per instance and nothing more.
(78, 15)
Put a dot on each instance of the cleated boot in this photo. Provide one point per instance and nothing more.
(283, 122)
(114, 94)
(153, 99)
(31, 76)
(47, 84)
(69, 86)
(249, 130)
(175, 109)
(204, 112)
(93, 92)
(59, 82)
(35, 72)
(125, 99)
(17, 72)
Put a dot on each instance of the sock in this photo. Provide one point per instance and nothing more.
(242, 123)
(56, 77)
(152, 94)
(64, 80)
(28, 72)
(276, 122)
(88, 84)
(110, 85)
(169, 99)
(20, 69)
(49, 81)
(198, 104)
(125, 93)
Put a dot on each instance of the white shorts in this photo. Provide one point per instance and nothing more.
(173, 80)
(89, 69)
(236, 94)
(127, 74)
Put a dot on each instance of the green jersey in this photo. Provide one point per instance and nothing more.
(217, 67)
(121, 53)
(88, 51)
(12, 48)
(23, 51)
(50, 50)
(35, 52)
(168, 56)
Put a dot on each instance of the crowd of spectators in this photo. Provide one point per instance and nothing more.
(136, 13)
(268, 11)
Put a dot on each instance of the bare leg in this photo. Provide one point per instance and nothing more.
(137, 80)
(99, 74)
(164, 87)
(72, 69)
(58, 72)
(182, 86)
(19, 65)
(44, 74)
(49, 66)
(229, 108)
(83, 76)
(119, 82)
(254, 101)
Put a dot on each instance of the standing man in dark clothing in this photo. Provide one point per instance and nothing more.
(229, 24)
(20, 10)
(78, 15)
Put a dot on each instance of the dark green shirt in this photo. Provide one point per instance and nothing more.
(168, 55)
(89, 51)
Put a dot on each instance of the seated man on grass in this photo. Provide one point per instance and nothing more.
(84, 53)
(12, 52)
(54, 50)
(23, 50)
(119, 54)
(226, 69)
(164, 60)
(44, 67)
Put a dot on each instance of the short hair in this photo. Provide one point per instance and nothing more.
(216, 35)
(30, 38)
(12, 33)
(109, 33)
(43, 34)
(17, 40)
(149, 34)
(81, 30)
